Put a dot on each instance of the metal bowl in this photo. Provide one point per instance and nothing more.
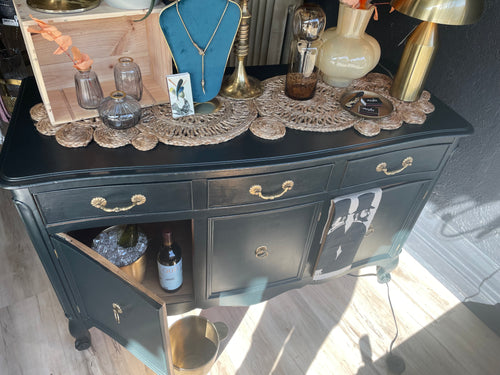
(62, 6)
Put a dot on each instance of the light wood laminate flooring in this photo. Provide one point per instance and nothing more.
(343, 327)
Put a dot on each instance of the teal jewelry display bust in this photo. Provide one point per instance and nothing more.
(200, 35)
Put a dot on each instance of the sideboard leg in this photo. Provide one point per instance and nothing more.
(79, 331)
(384, 269)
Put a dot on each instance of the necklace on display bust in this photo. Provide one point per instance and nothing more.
(200, 50)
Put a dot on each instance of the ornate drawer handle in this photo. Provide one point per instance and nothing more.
(117, 310)
(257, 190)
(382, 167)
(99, 202)
(261, 252)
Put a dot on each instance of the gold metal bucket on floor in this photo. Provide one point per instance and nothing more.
(195, 343)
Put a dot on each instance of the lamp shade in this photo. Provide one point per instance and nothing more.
(447, 12)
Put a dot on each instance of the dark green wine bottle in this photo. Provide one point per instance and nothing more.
(129, 236)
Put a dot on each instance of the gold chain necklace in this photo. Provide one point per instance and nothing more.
(198, 48)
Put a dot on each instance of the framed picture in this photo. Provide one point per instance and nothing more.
(181, 95)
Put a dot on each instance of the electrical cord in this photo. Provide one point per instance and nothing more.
(395, 363)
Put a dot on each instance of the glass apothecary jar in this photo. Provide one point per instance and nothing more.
(120, 111)
(308, 23)
(88, 89)
(128, 77)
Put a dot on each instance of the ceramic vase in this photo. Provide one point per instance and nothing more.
(347, 52)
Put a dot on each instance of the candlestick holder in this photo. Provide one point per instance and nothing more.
(239, 85)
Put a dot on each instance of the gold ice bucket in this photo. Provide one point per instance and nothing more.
(136, 269)
(195, 343)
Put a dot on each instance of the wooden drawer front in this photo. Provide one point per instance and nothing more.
(253, 251)
(76, 204)
(396, 163)
(236, 190)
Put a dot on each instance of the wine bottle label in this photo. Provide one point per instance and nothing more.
(170, 276)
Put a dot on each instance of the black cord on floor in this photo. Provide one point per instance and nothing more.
(395, 363)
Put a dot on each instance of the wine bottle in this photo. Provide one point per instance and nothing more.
(170, 264)
(129, 236)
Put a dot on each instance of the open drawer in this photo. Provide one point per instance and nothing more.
(133, 313)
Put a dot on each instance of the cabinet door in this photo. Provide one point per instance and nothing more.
(125, 310)
(395, 216)
(250, 252)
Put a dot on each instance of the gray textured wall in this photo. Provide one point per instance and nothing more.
(466, 76)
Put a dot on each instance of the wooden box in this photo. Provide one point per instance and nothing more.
(105, 34)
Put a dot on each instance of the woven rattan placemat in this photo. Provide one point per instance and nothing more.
(322, 113)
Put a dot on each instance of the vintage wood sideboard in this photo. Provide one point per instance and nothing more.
(239, 248)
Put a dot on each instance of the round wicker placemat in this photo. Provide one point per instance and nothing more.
(323, 113)
(157, 125)
(268, 128)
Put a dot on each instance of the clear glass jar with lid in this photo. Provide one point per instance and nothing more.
(128, 77)
(120, 111)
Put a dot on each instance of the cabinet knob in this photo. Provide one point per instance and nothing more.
(257, 190)
(117, 310)
(100, 203)
(382, 167)
(261, 252)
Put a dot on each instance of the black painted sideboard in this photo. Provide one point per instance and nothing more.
(251, 215)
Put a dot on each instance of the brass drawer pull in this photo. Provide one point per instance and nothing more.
(261, 252)
(99, 202)
(117, 310)
(257, 190)
(382, 167)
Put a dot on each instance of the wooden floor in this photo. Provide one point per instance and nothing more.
(341, 327)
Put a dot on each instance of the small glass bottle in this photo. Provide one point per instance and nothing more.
(170, 264)
(128, 77)
(308, 24)
(120, 111)
(88, 89)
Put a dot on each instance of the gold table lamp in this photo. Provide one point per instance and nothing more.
(422, 44)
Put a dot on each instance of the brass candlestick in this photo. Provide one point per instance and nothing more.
(239, 85)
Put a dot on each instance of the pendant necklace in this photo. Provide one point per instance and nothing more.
(200, 50)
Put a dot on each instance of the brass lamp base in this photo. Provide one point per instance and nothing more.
(241, 86)
(415, 63)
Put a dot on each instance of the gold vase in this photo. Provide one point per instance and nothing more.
(347, 52)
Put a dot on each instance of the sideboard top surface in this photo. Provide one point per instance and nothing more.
(30, 158)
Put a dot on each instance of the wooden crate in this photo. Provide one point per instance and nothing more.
(105, 34)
